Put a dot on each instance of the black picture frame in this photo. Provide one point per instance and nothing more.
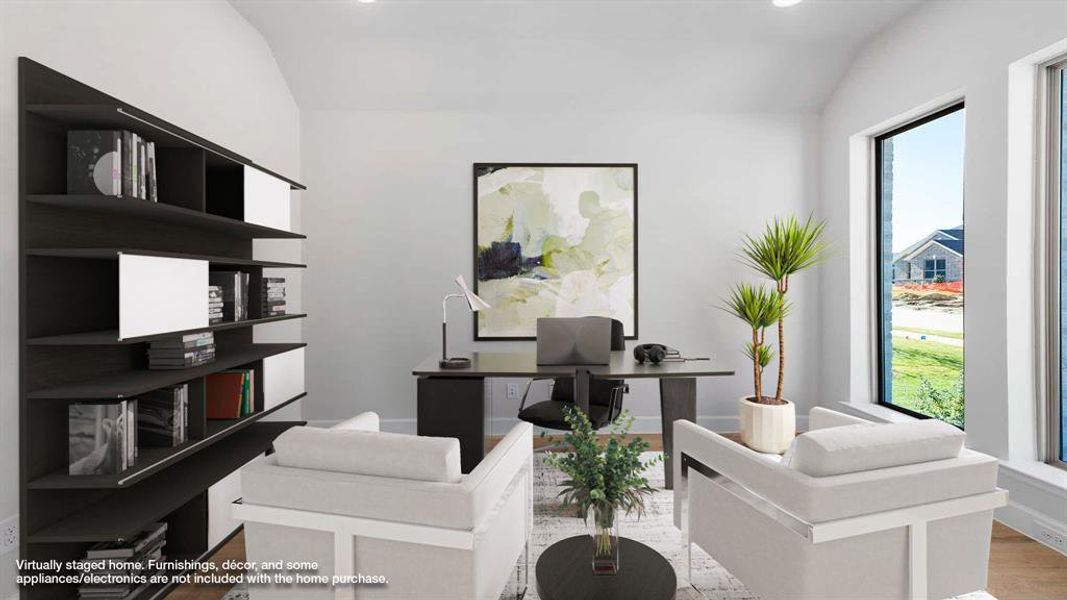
(479, 166)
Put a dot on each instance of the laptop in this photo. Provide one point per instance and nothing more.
(574, 341)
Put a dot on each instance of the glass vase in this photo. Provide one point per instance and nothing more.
(603, 526)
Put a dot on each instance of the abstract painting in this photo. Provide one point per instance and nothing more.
(554, 240)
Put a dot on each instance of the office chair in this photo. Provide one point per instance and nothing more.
(605, 395)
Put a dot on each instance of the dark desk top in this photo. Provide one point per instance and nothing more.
(524, 364)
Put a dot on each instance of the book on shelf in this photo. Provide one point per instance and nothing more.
(234, 286)
(190, 350)
(94, 162)
(162, 416)
(230, 394)
(128, 565)
(214, 304)
(113, 163)
(273, 299)
(101, 437)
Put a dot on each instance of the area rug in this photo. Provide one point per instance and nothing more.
(655, 529)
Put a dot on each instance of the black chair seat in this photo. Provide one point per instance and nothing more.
(549, 414)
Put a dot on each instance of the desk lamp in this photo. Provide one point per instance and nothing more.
(475, 304)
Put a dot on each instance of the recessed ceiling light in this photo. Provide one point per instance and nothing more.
(785, 3)
(372, 1)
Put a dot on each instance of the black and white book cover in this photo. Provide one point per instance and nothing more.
(127, 164)
(94, 162)
(97, 438)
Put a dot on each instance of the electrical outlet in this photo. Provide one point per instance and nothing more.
(9, 535)
(513, 391)
(1050, 536)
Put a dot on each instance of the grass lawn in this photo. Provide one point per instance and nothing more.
(942, 364)
(956, 335)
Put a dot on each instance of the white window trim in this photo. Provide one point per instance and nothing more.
(1027, 235)
(863, 367)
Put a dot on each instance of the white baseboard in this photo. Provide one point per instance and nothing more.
(1030, 487)
(643, 424)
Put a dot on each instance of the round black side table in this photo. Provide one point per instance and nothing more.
(564, 573)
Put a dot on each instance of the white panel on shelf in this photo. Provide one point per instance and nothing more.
(220, 498)
(266, 199)
(283, 377)
(157, 294)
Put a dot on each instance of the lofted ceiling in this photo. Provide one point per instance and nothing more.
(567, 55)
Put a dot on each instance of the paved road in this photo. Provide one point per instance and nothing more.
(928, 318)
(942, 320)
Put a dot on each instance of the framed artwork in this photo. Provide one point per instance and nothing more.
(554, 240)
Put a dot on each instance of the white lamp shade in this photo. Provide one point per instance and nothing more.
(473, 300)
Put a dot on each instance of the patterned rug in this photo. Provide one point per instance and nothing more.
(655, 529)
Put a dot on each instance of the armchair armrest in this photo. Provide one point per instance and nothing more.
(695, 445)
(822, 418)
(487, 483)
(821, 499)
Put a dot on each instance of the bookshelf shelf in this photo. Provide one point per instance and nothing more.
(153, 460)
(130, 383)
(114, 253)
(119, 116)
(76, 294)
(110, 337)
(122, 514)
(162, 213)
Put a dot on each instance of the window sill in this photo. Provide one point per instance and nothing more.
(870, 410)
(1052, 478)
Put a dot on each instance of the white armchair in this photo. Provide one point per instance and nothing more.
(360, 502)
(854, 509)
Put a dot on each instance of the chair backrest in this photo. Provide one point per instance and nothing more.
(618, 336)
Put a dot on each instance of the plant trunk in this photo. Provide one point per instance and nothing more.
(783, 287)
(757, 375)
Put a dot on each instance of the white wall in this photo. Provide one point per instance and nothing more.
(389, 215)
(943, 50)
(196, 64)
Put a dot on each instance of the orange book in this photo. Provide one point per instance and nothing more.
(224, 391)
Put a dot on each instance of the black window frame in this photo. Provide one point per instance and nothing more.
(879, 280)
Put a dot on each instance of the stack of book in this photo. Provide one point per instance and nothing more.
(273, 296)
(163, 417)
(230, 394)
(101, 437)
(190, 350)
(214, 304)
(234, 286)
(113, 163)
(123, 563)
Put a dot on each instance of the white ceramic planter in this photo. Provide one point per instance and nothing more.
(767, 427)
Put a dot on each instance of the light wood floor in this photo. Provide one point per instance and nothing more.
(1019, 567)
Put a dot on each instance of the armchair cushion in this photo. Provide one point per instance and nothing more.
(865, 447)
(370, 453)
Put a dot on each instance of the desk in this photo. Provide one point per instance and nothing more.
(452, 402)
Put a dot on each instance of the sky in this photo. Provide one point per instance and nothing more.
(927, 179)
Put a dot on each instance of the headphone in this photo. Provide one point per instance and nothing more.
(653, 353)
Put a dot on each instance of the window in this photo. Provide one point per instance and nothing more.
(920, 243)
(934, 270)
(1057, 188)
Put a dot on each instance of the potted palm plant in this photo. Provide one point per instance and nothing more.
(786, 246)
(606, 478)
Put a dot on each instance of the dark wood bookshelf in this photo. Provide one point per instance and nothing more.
(153, 460)
(69, 314)
(110, 337)
(120, 116)
(163, 213)
(121, 515)
(130, 383)
(114, 253)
